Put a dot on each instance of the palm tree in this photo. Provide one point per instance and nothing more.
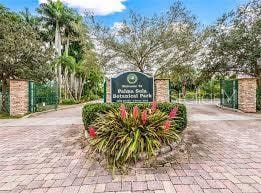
(32, 20)
(55, 14)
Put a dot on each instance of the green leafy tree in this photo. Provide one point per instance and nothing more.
(22, 54)
(148, 44)
(233, 45)
(183, 75)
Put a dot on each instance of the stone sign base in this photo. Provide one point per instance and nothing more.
(161, 89)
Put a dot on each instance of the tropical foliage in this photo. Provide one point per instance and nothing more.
(76, 59)
(53, 44)
(91, 111)
(123, 135)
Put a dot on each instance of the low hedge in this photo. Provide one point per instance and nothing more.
(90, 111)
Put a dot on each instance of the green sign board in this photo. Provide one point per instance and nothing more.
(132, 87)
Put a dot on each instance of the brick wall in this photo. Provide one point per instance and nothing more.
(162, 90)
(19, 99)
(247, 94)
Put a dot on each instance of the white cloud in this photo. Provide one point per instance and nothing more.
(98, 7)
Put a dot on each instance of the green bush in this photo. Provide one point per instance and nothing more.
(69, 102)
(258, 99)
(91, 111)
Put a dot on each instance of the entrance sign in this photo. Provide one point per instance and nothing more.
(132, 87)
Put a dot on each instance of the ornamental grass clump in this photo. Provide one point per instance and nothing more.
(124, 135)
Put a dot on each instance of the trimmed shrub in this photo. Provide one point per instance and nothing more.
(91, 111)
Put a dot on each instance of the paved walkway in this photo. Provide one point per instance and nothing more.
(222, 154)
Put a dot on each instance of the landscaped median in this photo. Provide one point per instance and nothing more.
(125, 133)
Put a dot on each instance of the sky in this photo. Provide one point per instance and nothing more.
(114, 11)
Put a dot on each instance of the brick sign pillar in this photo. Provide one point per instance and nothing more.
(162, 90)
(247, 94)
(19, 99)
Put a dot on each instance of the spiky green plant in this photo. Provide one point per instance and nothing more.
(122, 137)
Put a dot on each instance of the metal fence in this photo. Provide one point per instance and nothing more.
(4, 100)
(258, 99)
(229, 93)
(42, 96)
(4, 106)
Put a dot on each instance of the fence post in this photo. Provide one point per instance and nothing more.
(31, 96)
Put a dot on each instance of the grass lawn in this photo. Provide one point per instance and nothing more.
(7, 116)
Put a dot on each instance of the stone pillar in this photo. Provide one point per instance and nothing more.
(108, 90)
(247, 94)
(162, 90)
(19, 99)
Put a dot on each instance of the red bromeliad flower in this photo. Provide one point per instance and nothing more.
(144, 117)
(167, 125)
(92, 132)
(123, 111)
(173, 113)
(136, 111)
(154, 106)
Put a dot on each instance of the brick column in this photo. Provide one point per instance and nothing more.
(162, 90)
(247, 94)
(108, 90)
(19, 99)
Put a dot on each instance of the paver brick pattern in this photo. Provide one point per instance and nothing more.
(224, 157)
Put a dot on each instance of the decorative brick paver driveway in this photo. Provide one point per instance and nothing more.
(221, 154)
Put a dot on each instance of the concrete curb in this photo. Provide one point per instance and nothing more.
(227, 108)
(51, 110)
(58, 109)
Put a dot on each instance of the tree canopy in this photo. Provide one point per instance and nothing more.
(22, 53)
(148, 44)
(233, 45)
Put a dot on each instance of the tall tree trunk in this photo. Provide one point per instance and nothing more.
(65, 82)
(82, 85)
(76, 87)
(72, 84)
(67, 46)
(68, 87)
(183, 88)
(4, 94)
(66, 70)
(58, 47)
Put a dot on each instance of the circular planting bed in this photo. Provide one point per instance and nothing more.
(126, 133)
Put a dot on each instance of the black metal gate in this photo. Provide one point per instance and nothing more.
(229, 93)
(4, 100)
